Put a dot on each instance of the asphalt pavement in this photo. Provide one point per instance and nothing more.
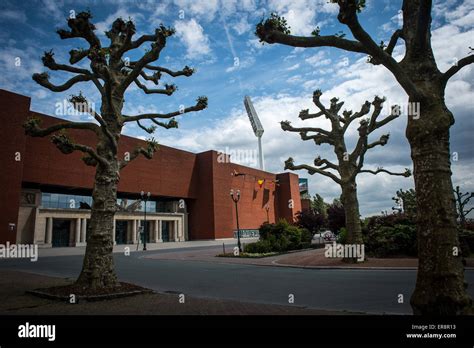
(370, 291)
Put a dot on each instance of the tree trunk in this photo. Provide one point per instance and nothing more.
(98, 267)
(440, 287)
(351, 207)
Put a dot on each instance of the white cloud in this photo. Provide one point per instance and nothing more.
(293, 67)
(319, 59)
(123, 13)
(203, 9)
(301, 15)
(294, 79)
(192, 36)
(12, 15)
(242, 26)
(241, 64)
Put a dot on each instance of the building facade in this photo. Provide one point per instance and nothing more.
(45, 196)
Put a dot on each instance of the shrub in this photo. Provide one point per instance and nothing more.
(306, 238)
(260, 247)
(281, 237)
(342, 236)
(385, 241)
(336, 216)
(310, 220)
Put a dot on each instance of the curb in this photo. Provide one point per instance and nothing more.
(93, 298)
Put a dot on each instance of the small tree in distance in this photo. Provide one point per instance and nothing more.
(112, 74)
(462, 199)
(406, 202)
(336, 216)
(349, 165)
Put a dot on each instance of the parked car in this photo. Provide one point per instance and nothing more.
(323, 237)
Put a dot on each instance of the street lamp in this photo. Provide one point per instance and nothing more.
(145, 198)
(236, 198)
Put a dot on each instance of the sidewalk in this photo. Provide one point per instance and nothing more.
(229, 243)
(13, 285)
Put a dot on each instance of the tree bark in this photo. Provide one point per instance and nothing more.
(351, 207)
(440, 287)
(98, 267)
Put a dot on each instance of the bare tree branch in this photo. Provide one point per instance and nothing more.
(151, 148)
(187, 71)
(43, 80)
(81, 27)
(289, 164)
(155, 78)
(397, 34)
(168, 90)
(406, 173)
(348, 16)
(272, 36)
(76, 56)
(455, 68)
(286, 126)
(67, 146)
(200, 105)
(304, 114)
(318, 161)
(161, 34)
(381, 142)
(33, 129)
(149, 130)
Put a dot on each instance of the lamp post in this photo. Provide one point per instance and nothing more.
(145, 198)
(235, 197)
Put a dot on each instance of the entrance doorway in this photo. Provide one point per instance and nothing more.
(121, 231)
(165, 232)
(61, 232)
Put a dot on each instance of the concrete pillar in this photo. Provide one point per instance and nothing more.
(114, 234)
(160, 231)
(83, 230)
(180, 230)
(134, 231)
(173, 230)
(49, 231)
(77, 239)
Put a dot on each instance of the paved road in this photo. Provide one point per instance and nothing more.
(370, 291)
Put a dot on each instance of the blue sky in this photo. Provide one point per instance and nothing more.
(217, 38)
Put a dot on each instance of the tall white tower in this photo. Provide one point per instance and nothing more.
(257, 129)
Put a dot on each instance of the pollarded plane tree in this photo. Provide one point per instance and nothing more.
(440, 286)
(349, 165)
(112, 74)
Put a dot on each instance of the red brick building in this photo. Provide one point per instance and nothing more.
(44, 194)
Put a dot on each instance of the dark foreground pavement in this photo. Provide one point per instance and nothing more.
(13, 285)
(369, 291)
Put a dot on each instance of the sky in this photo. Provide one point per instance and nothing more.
(216, 37)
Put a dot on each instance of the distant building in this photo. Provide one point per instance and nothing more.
(45, 196)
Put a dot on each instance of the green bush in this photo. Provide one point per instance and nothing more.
(342, 236)
(280, 237)
(260, 247)
(386, 241)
